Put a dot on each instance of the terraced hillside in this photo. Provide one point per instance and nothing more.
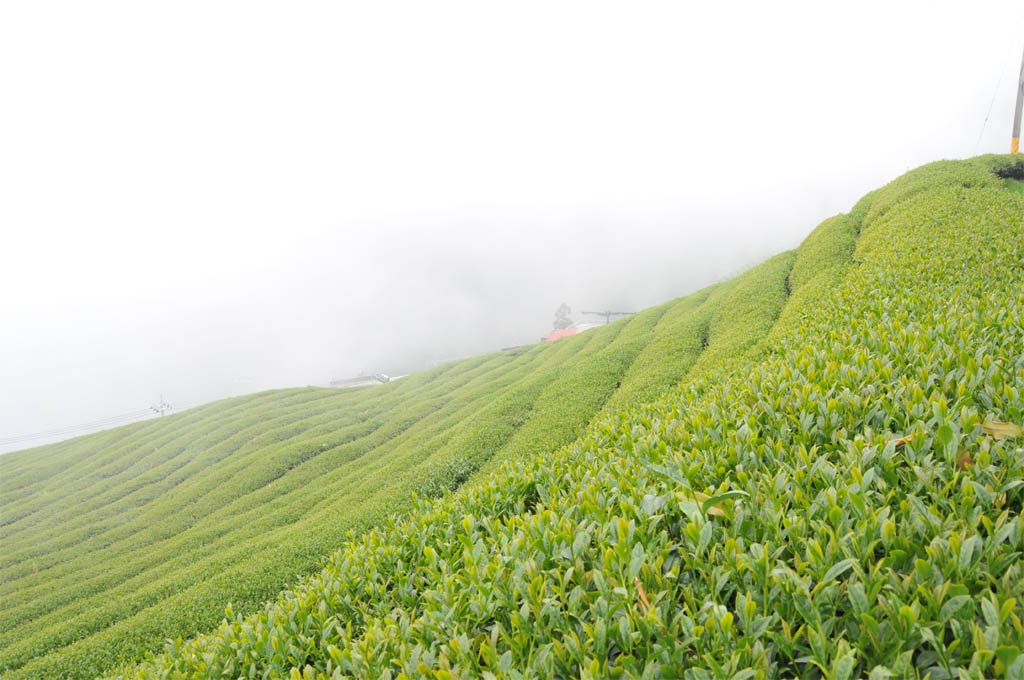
(836, 495)
(115, 541)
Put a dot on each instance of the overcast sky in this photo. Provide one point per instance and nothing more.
(202, 199)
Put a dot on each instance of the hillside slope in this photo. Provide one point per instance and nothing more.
(839, 498)
(113, 542)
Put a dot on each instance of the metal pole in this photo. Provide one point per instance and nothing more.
(1015, 139)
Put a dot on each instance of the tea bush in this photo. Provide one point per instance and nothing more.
(113, 542)
(844, 501)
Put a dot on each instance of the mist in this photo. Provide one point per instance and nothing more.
(204, 200)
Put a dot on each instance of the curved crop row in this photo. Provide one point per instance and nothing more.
(843, 502)
(158, 524)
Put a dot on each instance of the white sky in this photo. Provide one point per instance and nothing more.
(202, 199)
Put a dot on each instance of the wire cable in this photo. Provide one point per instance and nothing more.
(995, 93)
(71, 429)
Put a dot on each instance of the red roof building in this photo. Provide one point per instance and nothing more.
(571, 330)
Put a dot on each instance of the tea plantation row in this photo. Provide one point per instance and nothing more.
(839, 499)
(114, 542)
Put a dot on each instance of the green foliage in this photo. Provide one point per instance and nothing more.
(977, 172)
(116, 541)
(799, 511)
(668, 357)
(828, 247)
(799, 505)
(566, 406)
(744, 313)
(822, 261)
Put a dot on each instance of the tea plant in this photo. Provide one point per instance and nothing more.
(843, 500)
(115, 541)
(830, 488)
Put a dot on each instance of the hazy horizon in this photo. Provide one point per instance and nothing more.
(202, 201)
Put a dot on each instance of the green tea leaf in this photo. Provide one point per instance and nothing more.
(944, 435)
(967, 552)
(844, 668)
(839, 568)
(988, 610)
(879, 673)
(952, 606)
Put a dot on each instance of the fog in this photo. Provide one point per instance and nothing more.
(200, 200)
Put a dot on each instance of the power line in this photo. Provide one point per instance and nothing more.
(995, 93)
(102, 423)
(72, 429)
(124, 418)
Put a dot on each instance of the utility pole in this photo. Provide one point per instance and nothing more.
(1015, 139)
(162, 407)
